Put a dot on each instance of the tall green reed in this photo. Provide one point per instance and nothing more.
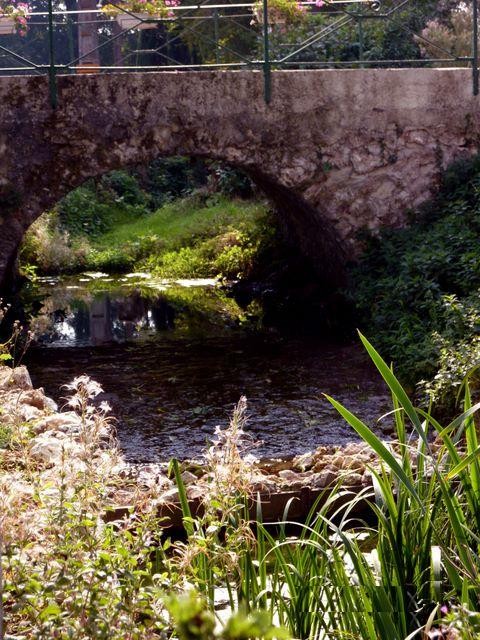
(383, 576)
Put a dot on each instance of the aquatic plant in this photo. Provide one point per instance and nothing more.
(375, 564)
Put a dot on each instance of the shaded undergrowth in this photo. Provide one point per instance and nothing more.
(418, 290)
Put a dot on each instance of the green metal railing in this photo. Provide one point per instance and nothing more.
(216, 35)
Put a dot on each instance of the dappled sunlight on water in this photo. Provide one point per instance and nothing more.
(174, 360)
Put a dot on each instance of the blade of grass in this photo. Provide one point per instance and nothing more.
(377, 445)
(392, 382)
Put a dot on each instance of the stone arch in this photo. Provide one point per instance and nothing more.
(336, 150)
(118, 126)
(296, 218)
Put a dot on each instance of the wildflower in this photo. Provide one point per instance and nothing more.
(85, 385)
(104, 407)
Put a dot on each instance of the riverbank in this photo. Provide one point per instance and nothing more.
(200, 236)
(80, 526)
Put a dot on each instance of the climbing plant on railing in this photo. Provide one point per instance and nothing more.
(15, 12)
(280, 12)
(149, 8)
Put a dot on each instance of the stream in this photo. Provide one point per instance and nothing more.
(173, 358)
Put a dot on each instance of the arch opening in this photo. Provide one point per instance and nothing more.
(245, 230)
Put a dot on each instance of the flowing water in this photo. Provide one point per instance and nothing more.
(174, 358)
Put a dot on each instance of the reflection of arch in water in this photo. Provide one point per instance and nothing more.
(101, 320)
(118, 318)
(163, 314)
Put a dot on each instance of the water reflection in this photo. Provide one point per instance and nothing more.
(103, 310)
(174, 358)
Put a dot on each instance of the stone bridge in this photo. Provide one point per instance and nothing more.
(336, 150)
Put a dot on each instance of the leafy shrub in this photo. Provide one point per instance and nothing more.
(230, 181)
(92, 212)
(50, 247)
(390, 39)
(186, 262)
(417, 289)
(169, 178)
(453, 35)
(124, 187)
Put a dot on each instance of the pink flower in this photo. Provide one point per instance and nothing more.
(319, 3)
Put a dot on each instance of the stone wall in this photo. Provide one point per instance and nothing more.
(336, 150)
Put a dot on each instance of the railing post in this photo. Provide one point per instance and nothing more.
(475, 47)
(267, 80)
(360, 40)
(216, 36)
(52, 75)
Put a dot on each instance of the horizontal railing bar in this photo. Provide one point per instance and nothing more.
(84, 22)
(257, 63)
(376, 62)
(17, 69)
(171, 67)
(187, 7)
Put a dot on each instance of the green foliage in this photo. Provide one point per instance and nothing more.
(427, 541)
(94, 209)
(5, 435)
(336, 576)
(462, 624)
(109, 224)
(281, 11)
(188, 238)
(417, 289)
(193, 620)
(191, 617)
(90, 582)
(124, 188)
(15, 339)
(48, 248)
(167, 179)
(391, 39)
(229, 181)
